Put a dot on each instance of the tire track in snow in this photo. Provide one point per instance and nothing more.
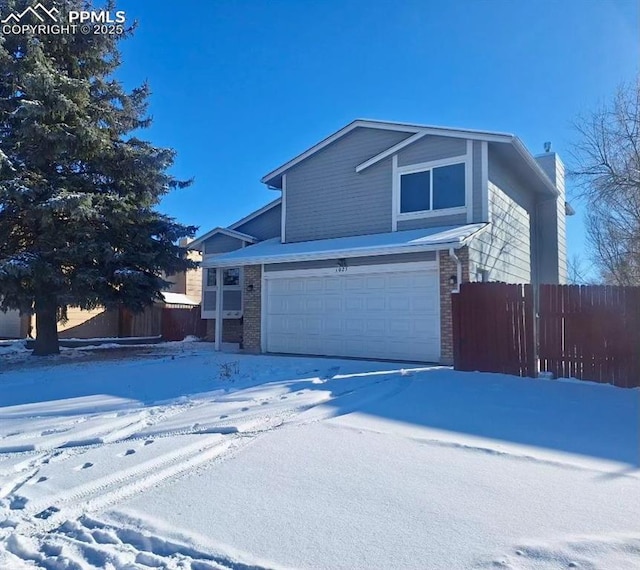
(218, 441)
(111, 489)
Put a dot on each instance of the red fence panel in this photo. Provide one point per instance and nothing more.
(493, 328)
(178, 323)
(584, 332)
(591, 333)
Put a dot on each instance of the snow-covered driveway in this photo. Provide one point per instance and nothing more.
(190, 459)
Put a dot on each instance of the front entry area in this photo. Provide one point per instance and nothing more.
(380, 312)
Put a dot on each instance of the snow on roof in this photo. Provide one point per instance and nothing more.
(273, 251)
(178, 299)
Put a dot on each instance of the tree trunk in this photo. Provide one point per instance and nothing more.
(46, 326)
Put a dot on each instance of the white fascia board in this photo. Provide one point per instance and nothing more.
(321, 255)
(465, 240)
(255, 214)
(392, 150)
(524, 152)
(225, 231)
(436, 131)
(335, 136)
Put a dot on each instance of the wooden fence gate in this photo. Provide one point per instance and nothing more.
(493, 328)
(583, 332)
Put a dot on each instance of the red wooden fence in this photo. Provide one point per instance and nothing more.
(493, 328)
(584, 332)
(180, 323)
(590, 333)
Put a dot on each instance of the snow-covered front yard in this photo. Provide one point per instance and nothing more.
(179, 457)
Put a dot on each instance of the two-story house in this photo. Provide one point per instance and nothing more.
(372, 230)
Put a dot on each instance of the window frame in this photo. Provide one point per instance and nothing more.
(464, 159)
(213, 288)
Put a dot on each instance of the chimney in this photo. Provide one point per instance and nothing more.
(552, 240)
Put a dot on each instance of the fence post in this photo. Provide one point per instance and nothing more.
(455, 330)
(531, 329)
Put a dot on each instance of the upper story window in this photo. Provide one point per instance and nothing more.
(437, 188)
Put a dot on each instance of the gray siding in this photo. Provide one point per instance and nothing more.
(326, 198)
(221, 243)
(265, 226)
(452, 220)
(431, 148)
(505, 249)
(354, 261)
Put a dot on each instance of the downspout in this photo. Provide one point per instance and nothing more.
(453, 255)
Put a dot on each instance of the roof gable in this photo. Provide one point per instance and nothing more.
(196, 243)
(414, 132)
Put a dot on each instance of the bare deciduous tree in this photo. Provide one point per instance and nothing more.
(607, 169)
(578, 271)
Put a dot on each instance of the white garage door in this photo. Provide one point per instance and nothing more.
(10, 324)
(369, 312)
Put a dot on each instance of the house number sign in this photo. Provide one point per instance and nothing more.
(342, 266)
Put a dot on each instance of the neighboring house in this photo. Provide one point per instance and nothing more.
(13, 325)
(376, 225)
(185, 291)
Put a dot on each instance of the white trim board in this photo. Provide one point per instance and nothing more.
(400, 267)
(468, 181)
(398, 171)
(360, 252)
(409, 128)
(255, 214)
(283, 216)
(484, 175)
(224, 231)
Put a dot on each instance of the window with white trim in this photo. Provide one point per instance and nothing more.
(231, 293)
(432, 189)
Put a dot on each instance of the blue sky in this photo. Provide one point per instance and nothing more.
(240, 87)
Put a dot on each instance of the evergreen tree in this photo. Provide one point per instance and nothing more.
(78, 188)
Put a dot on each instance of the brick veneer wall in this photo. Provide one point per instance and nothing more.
(252, 308)
(448, 267)
(231, 330)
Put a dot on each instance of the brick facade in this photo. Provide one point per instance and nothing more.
(448, 267)
(252, 320)
(231, 330)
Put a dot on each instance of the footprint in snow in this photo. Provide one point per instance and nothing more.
(47, 512)
(84, 466)
(244, 410)
(42, 479)
(18, 503)
(223, 417)
(128, 452)
(283, 397)
(148, 442)
(263, 403)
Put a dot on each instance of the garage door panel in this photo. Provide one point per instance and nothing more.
(353, 304)
(333, 303)
(382, 314)
(313, 285)
(376, 303)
